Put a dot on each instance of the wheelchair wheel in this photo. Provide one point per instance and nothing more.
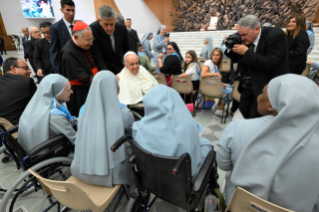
(136, 115)
(138, 202)
(26, 193)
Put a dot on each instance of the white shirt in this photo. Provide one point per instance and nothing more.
(192, 71)
(212, 67)
(68, 26)
(27, 38)
(257, 41)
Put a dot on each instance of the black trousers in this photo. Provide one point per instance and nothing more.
(248, 104)
(2, 49)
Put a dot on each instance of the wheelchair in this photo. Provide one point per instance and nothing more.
(170, 179)
(137, 111)
(49, 159)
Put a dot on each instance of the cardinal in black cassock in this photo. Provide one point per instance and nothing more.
(77, 64)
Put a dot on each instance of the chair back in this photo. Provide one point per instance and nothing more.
(317, 74)
(235, 94)
(242, 200)
(160, 77)
(211, 87)
(182, 85)
(306, 72)
(201, 62)
(77, 194)
(225, 66)
(155, 175)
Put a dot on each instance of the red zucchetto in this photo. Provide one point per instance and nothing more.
(79, 25)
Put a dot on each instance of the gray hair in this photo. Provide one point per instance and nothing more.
(106, 12)
(30, 28)
(127, 54)
(119, 18)
(250, 21)
(80, 33)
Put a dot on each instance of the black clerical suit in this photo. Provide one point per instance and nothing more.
(15, 93)
(30, 45)
(258, 68)
(133, 39)
(297, 52)
(104, 54)
(42, 56)
(77, 65)
(2, 47)
(24, 40)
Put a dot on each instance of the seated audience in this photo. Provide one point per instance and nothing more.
(314, 67)
(159, 44)
(208, 48)
(173, 61)
(146, 45)
(311, 36)
(144, 61)
(298, 43)
(210, 69)
(46, 114)
(191, 68)
(176, 131)
(135, 80)
(267, 25)
(102, 125)
(127, 115)
(274, 157)
(16, 89)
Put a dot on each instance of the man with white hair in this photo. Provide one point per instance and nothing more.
(78, 65)
(30, 46)
(111, 41)
(262, 56)
(135, 80)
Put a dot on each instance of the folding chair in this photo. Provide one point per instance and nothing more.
(225, 66)
(77, 194)
(244, 201)
(201, 62)
(212, 87)
(306, 72)
(160, 77)
(235, 94)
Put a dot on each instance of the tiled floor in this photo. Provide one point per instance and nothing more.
(212, 130)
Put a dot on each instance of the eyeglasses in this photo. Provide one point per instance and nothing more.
(37, 32)
(169, 49)
(89, 41)
(24, 67)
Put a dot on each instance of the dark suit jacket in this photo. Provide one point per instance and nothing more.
(15, 93)
(269, 61)
(42, 56)
(297, 52)
(24, 40)
(133, 39)
(2, 41)
(60, 35)
(106, 58)
(171, 65)
(30, 45)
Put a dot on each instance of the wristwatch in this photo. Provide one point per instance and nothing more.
(159, 60)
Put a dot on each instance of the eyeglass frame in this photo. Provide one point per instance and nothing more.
(25, 67)
(91, 40)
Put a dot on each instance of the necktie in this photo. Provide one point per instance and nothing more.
(27, 38)
(252, 47)
(71, 26)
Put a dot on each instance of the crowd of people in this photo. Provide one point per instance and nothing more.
(89, 76)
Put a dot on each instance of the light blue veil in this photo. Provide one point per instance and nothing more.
(145, 37)
(267, 24)
(310, 26)
(159, 29)
(209, 46)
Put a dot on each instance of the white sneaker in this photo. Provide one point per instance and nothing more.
(215, 107)
(219, 112)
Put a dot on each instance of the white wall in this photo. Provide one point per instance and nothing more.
(143, 19)
(13, 17)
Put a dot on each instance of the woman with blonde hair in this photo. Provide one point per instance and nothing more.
(298, 43)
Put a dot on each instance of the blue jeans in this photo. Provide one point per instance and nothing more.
(227, 91)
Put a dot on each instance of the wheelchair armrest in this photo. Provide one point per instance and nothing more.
(180, 161)
(120, 141)
(46, 144)
(13, 129)
(204, 172)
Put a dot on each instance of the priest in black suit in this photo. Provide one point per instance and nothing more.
(78, 65)
(42, 61)
(262, 57)
(111, 41)
(132, 36)
(25, 39)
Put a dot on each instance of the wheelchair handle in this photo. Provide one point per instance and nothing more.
(120, 141)
(13, 129)
(180, 161)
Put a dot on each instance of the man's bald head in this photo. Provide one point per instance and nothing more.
(131, 62)
(35, 32)
(25, 31)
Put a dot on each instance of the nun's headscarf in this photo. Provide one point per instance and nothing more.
(99, 127)
(281, 161)
(209, 46)
(145, 37)
(309, 25)
(159, 29)
(34, 121)
(267, 24)
(167, 128)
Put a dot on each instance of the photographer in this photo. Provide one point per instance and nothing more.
(262, 54)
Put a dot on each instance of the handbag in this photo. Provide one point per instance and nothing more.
(205, 102)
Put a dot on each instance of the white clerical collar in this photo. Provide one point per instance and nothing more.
(74, 40)
(257, 39)
(67, 23)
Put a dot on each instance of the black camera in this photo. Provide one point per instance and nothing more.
(167, 35)
(233, 40)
